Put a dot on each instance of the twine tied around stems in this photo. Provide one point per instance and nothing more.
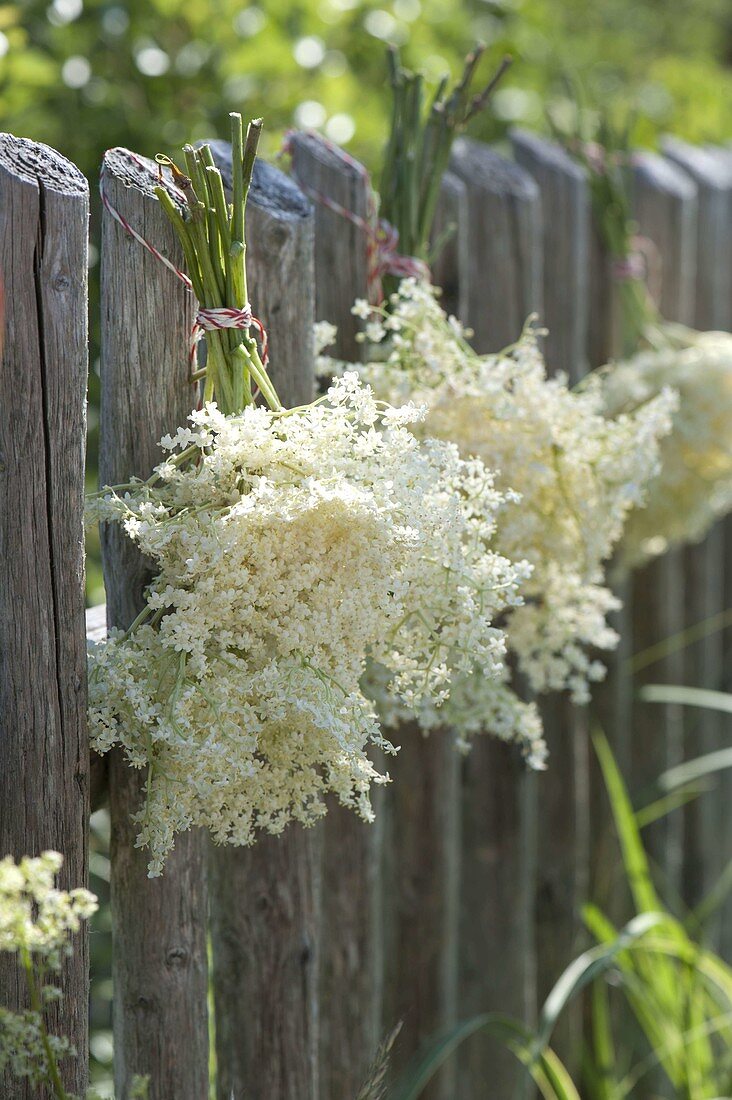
(642, 263)
(382, 238)
(208, 318)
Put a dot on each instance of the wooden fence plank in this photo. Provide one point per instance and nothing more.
(504, 226)
(421, 861)
(421, 894)
(563, 840)
(722, 923)
(566, 234)
(159, 925)
(44, 793)
(665, 208)
(451, 238)
(705, 857)
(351, 973)
(497, 949)
(265, 901)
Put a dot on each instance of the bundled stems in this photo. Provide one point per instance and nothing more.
(418, 150)
(606, 157)
(212, 235)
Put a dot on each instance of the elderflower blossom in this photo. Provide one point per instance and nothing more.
(23, 1051)
(575, 475)
(694, 485)
(300, 546)
(36, 921)
(34, 915)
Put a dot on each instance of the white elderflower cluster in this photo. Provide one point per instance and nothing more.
(574, 474)
(694, 485)
(23, 1049)
(290, 548)
(35, 916)
(36, 922)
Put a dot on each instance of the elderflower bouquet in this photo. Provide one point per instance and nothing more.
(574, 476)
(693, 487)
(36, 922)
(291, 549)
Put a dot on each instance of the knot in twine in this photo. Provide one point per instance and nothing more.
(382, 238)
(642, 263)
(208, 318)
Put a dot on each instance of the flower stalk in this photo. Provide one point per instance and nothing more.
(419, 145)
(605, 154)
(212, 235)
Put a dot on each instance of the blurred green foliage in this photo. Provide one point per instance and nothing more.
(87, 74)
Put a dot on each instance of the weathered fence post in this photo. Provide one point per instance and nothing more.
(504, 225)
(563, 795)
(722, 920)
(565, 221)
(265, 901)
(665, 208)
(451, 239)
(422, 822)
(44, 794)
(351, 964)
(497, 949)
(159, 925)
(705, 855)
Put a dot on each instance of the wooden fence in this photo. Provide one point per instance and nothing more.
(464, 896)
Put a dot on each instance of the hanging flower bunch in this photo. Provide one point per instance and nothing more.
(36, 923)
(575, 475)
(693, 487)
(290, 548)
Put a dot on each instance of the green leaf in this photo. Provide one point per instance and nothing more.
(586, 968)
(548, 1073)
(634, 856)
(687, 696)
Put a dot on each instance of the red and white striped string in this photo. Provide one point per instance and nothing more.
(382, 238)
(207, 319)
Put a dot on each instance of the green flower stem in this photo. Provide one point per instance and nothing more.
(37, 1007)
(212, 236)
(418, 149)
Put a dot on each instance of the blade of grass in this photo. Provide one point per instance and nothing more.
(548, 1073)
(687, 696)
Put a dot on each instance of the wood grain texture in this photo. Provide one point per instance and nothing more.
(563, 793)
(665, 209)
(504, 216)
(421, 895)
(565, 222)
(421, 859)
(722, 921)
(265, 900)
(497, 967)
(351, 970)
(340, 257)
(44, 778)
(706, 821)
(159, 925)
(451, 238)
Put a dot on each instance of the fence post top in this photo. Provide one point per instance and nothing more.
(135, 172)
(482, 166)
(705, 164)
(40, 165)
(663, 174)
(325, 151)
(549, 152)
